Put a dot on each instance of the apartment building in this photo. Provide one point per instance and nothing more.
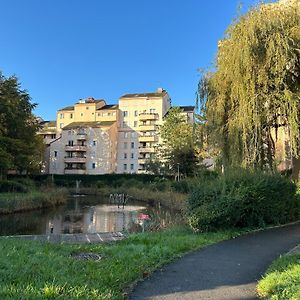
(140, 117)
(92, 137)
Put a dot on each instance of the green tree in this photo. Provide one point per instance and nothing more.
(255, 89)
(18, 127)
(179, 144)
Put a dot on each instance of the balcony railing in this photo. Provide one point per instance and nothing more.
(148, 116)
(142, 161)
(75, 159)
(75, 148)
(148, 138)
(148, 127)
(81, 136)
(146, 150)
(75, 171)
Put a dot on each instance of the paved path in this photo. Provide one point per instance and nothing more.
(225, 271)
(78, 238)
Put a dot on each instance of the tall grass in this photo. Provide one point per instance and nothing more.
(36, 199)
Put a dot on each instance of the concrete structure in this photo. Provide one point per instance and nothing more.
(92, 137)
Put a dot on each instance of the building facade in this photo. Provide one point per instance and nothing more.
(92, 137)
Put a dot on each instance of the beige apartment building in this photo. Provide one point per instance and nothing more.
(92, 137)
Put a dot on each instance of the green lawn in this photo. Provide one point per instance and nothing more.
(34, 270)
(282, 279)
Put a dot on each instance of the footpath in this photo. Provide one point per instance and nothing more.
(225, 271)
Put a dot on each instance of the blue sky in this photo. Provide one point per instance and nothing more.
(64, 50)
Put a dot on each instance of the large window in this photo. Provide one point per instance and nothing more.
(125, 167)
(125, 113)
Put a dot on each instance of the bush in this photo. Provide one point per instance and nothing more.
(181, 186)
(243, 199)
(9, 186)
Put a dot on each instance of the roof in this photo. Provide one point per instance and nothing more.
(111, 107)
(48, 123)
(145, 95)
(187, 108)
(67, 108)
(88, 124)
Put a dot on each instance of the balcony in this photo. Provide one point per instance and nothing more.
(148, 127)
(75, 159)
(75, 171)
(75, 148)
(148, 116)
(81, 136)
(146, 150)
(142, 161)
(148, 138)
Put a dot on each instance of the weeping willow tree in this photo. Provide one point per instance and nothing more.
(255, 89)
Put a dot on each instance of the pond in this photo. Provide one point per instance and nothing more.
(88, 214)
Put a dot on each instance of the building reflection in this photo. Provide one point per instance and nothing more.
(100, 218)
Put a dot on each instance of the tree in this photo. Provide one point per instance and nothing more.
(18, 127)
(255, 89)
(178, 147)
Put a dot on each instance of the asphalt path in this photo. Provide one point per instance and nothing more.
(225, 271)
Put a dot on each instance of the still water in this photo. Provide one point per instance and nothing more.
(87, 214)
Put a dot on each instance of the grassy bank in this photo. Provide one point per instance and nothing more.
(282, 279)
(33, 270)
(34, 199)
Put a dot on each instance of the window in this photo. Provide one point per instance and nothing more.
(94, 143)
(152, 110)
(135, 124)
(125, 113)
(132, 145)
(61, 125)
(55, 153)
(125, 135)
(125, 155)
(86, 107)
(99, 114)
(124, 125)
(125, 145)
(93, 166)
(81, 114)
(132, 155)
(131, 167)
(53, 136)
(136, 113)
(125, 167)
(109, 114)
(71, 116)
(70, 143)
(61, 116)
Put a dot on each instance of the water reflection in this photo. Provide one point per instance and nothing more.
(84, 215)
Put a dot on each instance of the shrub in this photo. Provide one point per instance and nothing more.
(181, 186)
(9, 186)
(243, 199)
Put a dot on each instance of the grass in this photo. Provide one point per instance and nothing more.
(282, 279)
(35, 270)
(35, 199)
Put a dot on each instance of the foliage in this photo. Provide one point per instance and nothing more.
(51, 271)
(243, 199)
(178, 148)
(20, 148)
(9, 186)
(282, 279)
(255, 90)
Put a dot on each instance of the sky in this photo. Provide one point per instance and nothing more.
(65, 50)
